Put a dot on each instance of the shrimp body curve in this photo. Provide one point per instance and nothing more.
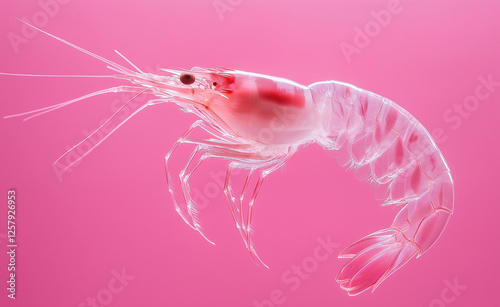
(257, 122)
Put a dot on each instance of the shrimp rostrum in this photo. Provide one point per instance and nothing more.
(257, 122)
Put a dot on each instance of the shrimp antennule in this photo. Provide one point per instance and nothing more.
(51, 108)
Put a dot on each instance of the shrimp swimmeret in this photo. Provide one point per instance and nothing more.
(257, 122)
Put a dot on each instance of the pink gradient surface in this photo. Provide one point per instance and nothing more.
(112, 213)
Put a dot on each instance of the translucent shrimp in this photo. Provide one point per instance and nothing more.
(257, 122)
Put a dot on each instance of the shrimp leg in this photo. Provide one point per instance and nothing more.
(215, 145)
(398, 154)
(188, 214)
(241, 204)
(243, 156)
(238, 204)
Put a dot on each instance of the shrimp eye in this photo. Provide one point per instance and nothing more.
(214, 83)
(187, 78)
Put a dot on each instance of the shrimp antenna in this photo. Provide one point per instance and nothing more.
(137, 68)
(108, 134)
(79, 48)
(56, 76)
(40, 111)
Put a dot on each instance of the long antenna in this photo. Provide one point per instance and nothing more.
(80, 48)
(56, 76)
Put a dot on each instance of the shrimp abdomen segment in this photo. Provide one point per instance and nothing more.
(398, 154)
(423, 219)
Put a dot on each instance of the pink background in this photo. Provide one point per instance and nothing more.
(113, 211)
